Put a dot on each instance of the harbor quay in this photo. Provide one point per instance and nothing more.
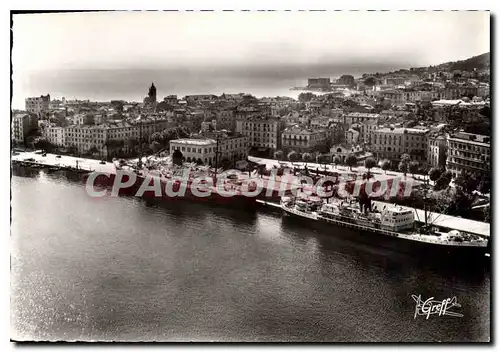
(235, 182)
(226, 184)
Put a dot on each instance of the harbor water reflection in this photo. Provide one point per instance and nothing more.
(123, 268)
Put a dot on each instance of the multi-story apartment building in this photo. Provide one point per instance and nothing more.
(360, 117)
(468, 152)
(391, 143)
(396, 97)
(366, 130)
(261, 132)
(320, 122)
(55, 135)
(171, 99)
(351, 136)
(457, 92)
(225, 120)
(233, 148)
(302, 139)
(415, 143)
(22, 124)
(436, 152)
(38, 105)
(85, 137)
(319, 83)
(387, 143)
(200, 98)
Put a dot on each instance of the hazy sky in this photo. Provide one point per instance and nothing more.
(116, 55)
(180, 39)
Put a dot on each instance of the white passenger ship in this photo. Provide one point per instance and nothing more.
(391, 225)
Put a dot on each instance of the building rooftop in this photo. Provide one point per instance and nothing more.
(194, 141)
(363, 114)
(401, 130)
(471, 137)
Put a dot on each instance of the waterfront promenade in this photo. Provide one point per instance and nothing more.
(65, 161)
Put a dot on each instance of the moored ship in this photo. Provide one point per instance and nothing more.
(392, 226)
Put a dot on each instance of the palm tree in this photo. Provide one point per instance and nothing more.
(292, 156)
(385, 165)
(413, 167)
(435, 173)
(369, 164)
(177, 157)
(351, 161)
(307, 157)
(404, 164)
(278, 155)
(337, 161)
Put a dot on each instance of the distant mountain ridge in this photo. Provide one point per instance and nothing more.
(479, 62)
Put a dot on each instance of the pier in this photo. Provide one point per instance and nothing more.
(447, 221)
(63, 161)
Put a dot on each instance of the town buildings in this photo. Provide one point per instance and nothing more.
(436, 152)
(22, 125)
(352, 136)
(360, 117)
(150, 100)
(225, 120)
(55, 135)
(86, 137)
(342, 151)
(392, 142)
(263, 133)
(318, 83)
(468, 152)
(38, 105)
(302, 139)
(231, 147)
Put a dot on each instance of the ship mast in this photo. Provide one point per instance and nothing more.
(216, 157)
(425, 201)
(139, 163)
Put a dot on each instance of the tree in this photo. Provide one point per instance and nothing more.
(413, 167)
(443, 181)
(305, 97)
(485, 185)
(177, 157)
(370, 81)
(385, 165)
(435, 173)
(347, 80)
(225, 163)
(155, 146)
(467, 181)
(336, 161)
(293, 156)
(278, 155)
(404, 164)
(156, 136)
(322, 159)
(93, 150)
(351, 161)
(369, 164)
(261, 168)
(43, 143)
(307, 157)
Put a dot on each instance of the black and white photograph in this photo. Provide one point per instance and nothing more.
(251, 176)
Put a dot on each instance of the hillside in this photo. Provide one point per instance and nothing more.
(479, 62)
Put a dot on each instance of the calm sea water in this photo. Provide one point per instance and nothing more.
(133, 84)
(122, 269)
